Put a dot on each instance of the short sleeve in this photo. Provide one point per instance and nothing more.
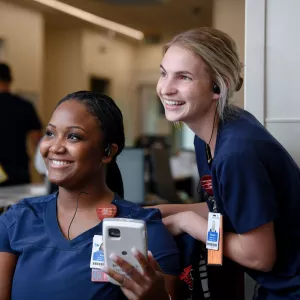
(6, 222)
(161, 243)
(33, 121)
(247, 192)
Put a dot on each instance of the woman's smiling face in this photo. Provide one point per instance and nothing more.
(72, 146)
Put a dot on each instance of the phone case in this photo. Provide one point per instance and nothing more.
(133, 233)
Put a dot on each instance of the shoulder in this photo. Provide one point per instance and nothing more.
(25, 208)
(21, 105)
(19, 100)
(135, 211)
(243, 127)
(243, 134)
(37, 204)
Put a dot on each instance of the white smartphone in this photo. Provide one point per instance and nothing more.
(120, 235)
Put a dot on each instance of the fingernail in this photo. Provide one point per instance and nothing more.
(113, 257)
(104, 269)
(134, 251)
(150, 253)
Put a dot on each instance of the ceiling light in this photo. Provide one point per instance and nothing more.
(91, 18)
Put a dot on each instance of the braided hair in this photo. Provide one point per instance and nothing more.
(111, 124)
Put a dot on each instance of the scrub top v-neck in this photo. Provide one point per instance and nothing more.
(51, 267)
(53, 229)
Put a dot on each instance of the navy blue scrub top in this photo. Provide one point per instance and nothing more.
(51, 267)
(255, 181)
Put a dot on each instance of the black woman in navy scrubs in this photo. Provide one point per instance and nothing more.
(46, 242)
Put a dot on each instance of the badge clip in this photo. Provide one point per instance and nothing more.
(106, 211)
(214, 242)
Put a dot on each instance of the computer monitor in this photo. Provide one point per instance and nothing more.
(131, 165)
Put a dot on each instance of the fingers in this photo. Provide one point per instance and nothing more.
(126, 283)
(173, 224)
(167, 220)
(115, 275)
(147, 269)
(128, 269)
(147, 284)
(154, 264)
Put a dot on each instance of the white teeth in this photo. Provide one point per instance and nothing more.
(168, 102)
(59, 162)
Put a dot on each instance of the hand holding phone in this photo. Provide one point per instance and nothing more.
(120, 235)
(147, 284)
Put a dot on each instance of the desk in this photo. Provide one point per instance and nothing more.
(12, 194)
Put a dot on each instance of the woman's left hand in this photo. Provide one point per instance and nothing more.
(189, 222)
(174, 222)
(148, 285)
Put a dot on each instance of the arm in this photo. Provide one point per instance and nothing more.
(255, 249)
(8, 258)
(172, 209)
(8, 263)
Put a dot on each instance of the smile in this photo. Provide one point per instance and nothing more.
(174, 103)
(59, 163)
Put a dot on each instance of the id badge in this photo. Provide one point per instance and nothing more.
(214, 239)
(3, 175)
(213, 231)
(97, 260)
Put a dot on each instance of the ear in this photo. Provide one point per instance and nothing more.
(216, 91)
(113, 150)
(215, 96)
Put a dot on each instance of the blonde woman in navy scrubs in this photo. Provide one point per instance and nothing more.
(246, 174)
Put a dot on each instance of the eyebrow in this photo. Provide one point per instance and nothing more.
(69, 127)
(178, 72)
(161, 66)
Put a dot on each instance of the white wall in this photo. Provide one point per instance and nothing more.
(272, 64)
(113, 59)
(23, 31)
(63, 66)
(229, 16)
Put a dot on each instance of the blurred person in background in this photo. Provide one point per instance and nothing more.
(18, 121)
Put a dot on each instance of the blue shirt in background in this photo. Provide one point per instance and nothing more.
(255, 181)
(51, 267)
